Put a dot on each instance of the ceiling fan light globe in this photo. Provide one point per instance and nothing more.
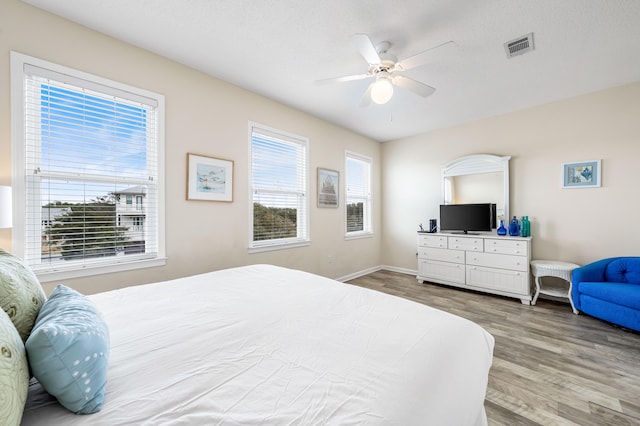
(381, 91)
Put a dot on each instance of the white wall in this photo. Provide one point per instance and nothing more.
(576, 225)
(206, 116)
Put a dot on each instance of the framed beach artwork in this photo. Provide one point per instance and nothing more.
(328, 188)
(209, 178)
(584, 174)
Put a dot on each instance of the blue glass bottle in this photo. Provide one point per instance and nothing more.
(501, 229)
(514, 227)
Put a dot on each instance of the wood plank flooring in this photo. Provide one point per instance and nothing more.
(550, 367)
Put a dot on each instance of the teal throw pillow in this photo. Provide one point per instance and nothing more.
(68, 351)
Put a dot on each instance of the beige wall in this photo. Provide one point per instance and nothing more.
(576, 225)
(205, 116)
(208, 116)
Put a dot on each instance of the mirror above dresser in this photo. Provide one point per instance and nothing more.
(478, 178)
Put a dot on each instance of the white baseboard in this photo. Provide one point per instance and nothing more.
(359, 274)
(400, 270)
(375, 269)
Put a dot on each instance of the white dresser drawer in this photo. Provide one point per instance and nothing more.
(501, 261)
(443, 255)
(514, 247)
(498, 279)
(441, 271)
(439, 241)
(466, 243)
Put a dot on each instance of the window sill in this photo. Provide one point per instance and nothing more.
(279, 246)
(89, 270)
(358, 235)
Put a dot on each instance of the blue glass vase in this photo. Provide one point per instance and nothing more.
(501, 229)
(514, 227)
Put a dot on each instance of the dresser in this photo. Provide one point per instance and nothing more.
(486, 262)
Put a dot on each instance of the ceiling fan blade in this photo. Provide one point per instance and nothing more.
(416, 87)
(363, 44)
(428, 56)
(342, 79)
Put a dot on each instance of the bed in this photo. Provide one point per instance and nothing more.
(263, 344)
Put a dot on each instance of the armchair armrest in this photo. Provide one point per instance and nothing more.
(593, 272)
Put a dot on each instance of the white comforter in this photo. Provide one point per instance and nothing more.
(263, 345)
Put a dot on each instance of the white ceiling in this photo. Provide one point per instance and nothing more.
(278, 48)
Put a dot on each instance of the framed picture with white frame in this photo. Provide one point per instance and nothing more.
(209, 178)
(582, 174)
(328, 188)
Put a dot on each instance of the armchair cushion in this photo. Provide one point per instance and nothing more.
(618, 293)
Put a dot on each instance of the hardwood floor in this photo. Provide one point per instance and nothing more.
(550, 367)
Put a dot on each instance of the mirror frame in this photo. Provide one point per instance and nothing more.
(475, 164)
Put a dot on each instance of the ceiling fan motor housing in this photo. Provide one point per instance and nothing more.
(387, 66)
(383, 67)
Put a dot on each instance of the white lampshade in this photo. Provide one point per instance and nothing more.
(381, 91)
(5, 207)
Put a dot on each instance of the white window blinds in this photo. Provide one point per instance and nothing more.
(358, 194)
(278, 187)
(88, 149)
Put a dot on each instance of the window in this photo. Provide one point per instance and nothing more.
(79, 143)
(279, 202)
(358, 194)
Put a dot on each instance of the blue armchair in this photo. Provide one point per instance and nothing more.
(609, 289)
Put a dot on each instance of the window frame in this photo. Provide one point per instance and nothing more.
(302, 219)
(19, 166)
(367, 219)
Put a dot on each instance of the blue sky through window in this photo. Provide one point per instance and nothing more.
(103, 133)
(282, 168)
(355, 172)
(85, 135)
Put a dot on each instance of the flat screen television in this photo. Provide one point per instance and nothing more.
(465, 218)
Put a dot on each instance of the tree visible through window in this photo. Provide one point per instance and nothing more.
(85, 230)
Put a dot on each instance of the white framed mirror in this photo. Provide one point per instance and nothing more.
(478, 178)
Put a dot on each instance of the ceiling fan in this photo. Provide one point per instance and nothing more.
(386, 69)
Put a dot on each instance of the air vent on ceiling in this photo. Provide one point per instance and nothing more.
(519, 46)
